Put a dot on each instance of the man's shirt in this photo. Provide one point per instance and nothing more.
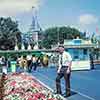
(65, 59)
(29, 57)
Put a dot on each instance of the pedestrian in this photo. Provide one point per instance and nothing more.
(20, 61)
(25, 64)
(29, 61)
(9, 65)
(45, 60)
(34, 63)
(91, 60)
(4, 67)
(0, 64)
(38, 62)
(64, 70)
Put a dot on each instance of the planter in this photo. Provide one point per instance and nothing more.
(22, 86)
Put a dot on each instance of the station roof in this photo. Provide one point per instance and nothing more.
(81, 46)
(80, 43)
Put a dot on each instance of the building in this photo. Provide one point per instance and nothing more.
(80, 51)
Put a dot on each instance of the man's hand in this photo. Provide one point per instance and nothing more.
(68, 70)
(58, 71)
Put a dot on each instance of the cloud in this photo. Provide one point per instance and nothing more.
(87, 19)
(13, 7)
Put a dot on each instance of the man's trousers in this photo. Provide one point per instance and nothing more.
(67, 83)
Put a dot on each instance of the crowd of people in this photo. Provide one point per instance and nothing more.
(27, 63)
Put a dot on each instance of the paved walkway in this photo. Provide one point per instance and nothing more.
(84, 84)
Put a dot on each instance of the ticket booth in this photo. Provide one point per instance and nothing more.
(79, 50)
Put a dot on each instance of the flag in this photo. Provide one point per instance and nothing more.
(88, 34)
(97, 30)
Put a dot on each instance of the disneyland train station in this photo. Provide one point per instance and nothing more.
(42, 75)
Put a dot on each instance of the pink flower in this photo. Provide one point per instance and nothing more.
(39, 95)
(51, 99)
(30, 98)
(13, 83)
(27, 87)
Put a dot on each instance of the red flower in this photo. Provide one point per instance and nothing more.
(30, 98)
(36, 85)
(13, 83)
(38, 95)
(51, 99)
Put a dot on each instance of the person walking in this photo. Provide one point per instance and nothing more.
(91, 60)
(25, 64)
(4, 66)
(64, 70)
(29, 61)
(34, 65)
(45, 60)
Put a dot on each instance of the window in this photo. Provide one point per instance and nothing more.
(76, 54)
(85, 51)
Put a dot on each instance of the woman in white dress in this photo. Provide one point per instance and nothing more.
(4, 66)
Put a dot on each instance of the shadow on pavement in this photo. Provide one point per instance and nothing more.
(72, 93)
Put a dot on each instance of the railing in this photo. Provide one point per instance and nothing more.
(96, 61)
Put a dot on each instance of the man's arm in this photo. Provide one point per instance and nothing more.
(69, 68)
(59, 65)
(69, 63)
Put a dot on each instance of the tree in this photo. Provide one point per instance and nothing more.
(9, 34)
(58, 34)
(46, 44)
(71, 33)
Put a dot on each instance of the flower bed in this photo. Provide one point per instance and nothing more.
(25, 87)
(0, 87)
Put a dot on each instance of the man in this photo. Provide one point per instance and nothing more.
(64, 70)
(34, 63)
(29, 61)
(91, 60)
(4, 67)
(25, 64)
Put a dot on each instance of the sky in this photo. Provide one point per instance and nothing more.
(81, 14)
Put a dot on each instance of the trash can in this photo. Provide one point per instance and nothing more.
(13, 66)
